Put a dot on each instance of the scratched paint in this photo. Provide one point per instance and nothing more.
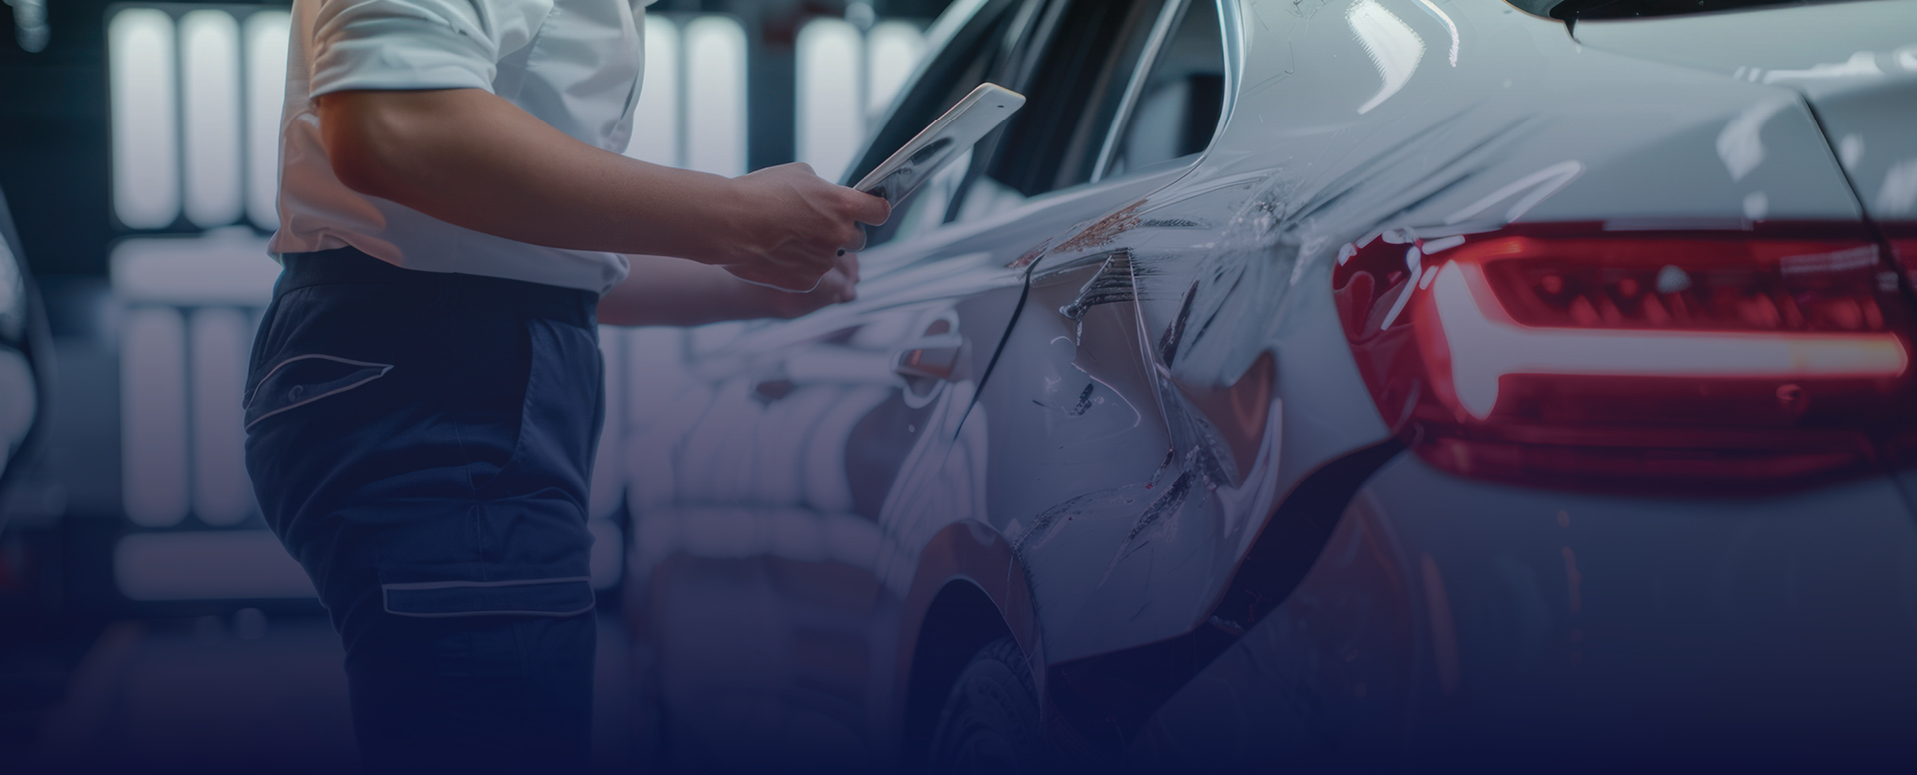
(1097, 453)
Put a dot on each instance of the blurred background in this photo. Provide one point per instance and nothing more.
(148, 621)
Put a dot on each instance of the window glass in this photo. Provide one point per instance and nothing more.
(1090, 50)
(974, 55)
(1178, 104)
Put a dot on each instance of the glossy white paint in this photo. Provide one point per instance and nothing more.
(1856, 63)
(1443, 611)
(1347, 121)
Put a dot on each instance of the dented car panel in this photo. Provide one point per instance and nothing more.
(1127, 415)
(1454, 618)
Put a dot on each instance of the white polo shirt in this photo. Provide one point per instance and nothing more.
(575, 64)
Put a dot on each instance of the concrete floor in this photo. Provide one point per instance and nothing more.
(253, 694)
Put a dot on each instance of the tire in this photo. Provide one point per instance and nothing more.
(990, 722)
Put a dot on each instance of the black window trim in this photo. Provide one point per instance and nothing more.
(1021, 68)
(1168, 18)
(1173, 13)
(1018, 57)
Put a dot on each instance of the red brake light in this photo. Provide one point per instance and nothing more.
(1903, 246)
(1570, 355)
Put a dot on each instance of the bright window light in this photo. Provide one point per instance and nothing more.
(153, 449)
(266, 36)
(655, 120)
(30, 25)
(893, 50)
(210, 83)
(831, 125)
(716, 95)
(222, 494)
(146, 165)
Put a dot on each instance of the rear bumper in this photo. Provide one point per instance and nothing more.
(1450, 618)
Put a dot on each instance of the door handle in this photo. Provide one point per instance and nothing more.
(934, 357)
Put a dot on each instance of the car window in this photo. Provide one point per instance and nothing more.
(1083, 54)
(1175, 107)
(977, 53)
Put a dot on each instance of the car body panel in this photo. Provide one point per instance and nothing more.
(1141, 385)
(1448, 617)
(1489, 149)
(799, 447)
(1855, 63)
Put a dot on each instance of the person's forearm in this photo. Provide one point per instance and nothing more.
(472, 159)
(663, 291)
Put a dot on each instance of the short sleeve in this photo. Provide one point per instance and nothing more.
(418, 44)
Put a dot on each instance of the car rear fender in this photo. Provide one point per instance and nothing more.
(968, 590)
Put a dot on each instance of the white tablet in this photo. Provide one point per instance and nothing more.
(934, 147)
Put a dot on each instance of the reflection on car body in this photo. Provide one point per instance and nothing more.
(1121, 429)
(25, 354)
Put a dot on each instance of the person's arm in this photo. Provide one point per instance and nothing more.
(470, 158)
(662, 291)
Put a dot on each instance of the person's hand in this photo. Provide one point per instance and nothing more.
(837, 287)
(795, 227)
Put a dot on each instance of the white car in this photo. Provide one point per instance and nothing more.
(26, 354)
(1306, 380)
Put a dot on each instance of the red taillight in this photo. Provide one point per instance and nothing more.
(1903, 246)
(1566, 354)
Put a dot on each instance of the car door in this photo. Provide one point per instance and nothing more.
(778, 496)
(1116, 487)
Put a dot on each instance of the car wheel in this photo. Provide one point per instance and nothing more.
(990, 722)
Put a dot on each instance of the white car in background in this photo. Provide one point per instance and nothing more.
(26, 354)
(1314, 380)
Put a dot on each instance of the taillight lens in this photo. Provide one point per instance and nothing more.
(1903, 247)
(1565, 354)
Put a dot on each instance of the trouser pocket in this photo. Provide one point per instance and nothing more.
(425, 452)
(566, 596)
(304, 379)
(560, 414)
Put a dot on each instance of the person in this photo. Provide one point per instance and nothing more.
(425, 391)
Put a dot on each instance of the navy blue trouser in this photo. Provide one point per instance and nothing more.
(422, 443)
